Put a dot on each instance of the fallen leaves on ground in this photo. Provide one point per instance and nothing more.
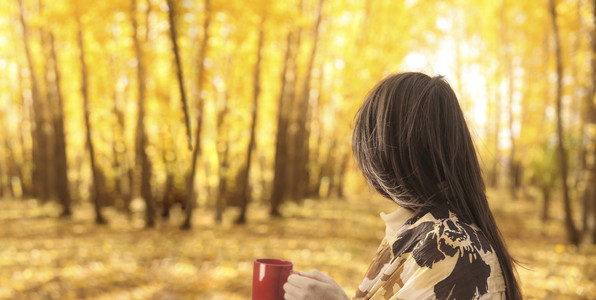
(44, 257)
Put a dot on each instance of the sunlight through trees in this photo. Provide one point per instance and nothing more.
(222, 104)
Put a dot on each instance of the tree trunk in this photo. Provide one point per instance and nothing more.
(4, 172)
(12, 169)
(223, 147)
(5, 176)
(302, 136)
(167, 195)
(513, 164)
(317, 155)
(143, 165)
(281, 152)
(341, 176)
(40, 144)
(494, 173)
(120, 162)
(547, 180)
(182, 90)
(222, 186)
(48, 111)
(179, 73)
(507, 57)
(99, 219)
(290, 89)
(124, 180)
(197, 150)
(327, 170)
(244, 191)
(571, 230)
(26, 175)
(60, 140)
(545, 203)
(590, 140)
(576, 98)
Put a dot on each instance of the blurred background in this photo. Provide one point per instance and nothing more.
(152, 149)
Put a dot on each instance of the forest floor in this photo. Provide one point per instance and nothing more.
(43, 257)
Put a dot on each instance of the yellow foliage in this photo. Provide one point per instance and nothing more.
(498, 55)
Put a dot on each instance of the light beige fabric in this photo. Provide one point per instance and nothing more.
(394, 221)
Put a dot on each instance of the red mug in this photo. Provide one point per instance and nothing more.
(268, 278)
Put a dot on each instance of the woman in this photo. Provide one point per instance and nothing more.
(413, 146)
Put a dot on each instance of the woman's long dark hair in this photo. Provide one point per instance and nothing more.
(413, 146)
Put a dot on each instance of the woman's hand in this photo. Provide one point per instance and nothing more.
(312, 286)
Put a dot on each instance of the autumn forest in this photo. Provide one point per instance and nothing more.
(217, 125)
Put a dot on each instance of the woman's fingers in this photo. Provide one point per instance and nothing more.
(306, 285)
(317, 276)
(291, 292)
(312, 285)
(301, 281)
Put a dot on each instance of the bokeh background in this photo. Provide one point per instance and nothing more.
(152, 149)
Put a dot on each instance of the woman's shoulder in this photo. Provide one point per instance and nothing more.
(443, 231)
(438, 244)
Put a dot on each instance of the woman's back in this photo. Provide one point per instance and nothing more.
(413, 145)
(433, 255)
